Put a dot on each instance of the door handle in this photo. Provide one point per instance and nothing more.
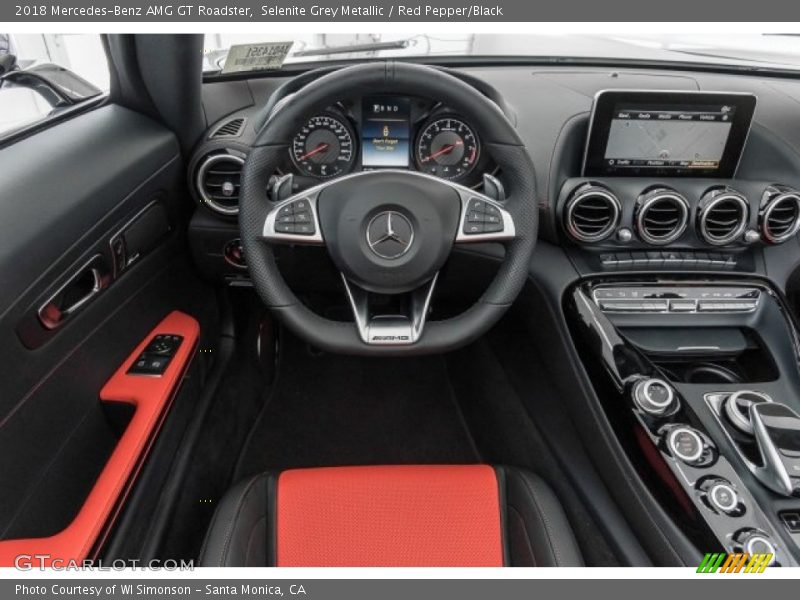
(74, 295)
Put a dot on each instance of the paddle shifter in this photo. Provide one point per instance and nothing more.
(776, 429)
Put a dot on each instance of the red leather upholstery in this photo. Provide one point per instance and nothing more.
(389, 516)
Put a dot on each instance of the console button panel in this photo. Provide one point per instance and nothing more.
(678, 299)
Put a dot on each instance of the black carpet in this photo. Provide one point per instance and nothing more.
(341, 410)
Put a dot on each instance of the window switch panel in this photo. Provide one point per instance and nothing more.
(156, 356)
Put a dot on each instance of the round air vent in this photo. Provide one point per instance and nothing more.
(592, 213)
(218, 180)
(722, 216)
(780, 214)
(661, 216)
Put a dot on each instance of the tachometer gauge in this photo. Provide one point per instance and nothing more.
(447, 148)
(324, 147)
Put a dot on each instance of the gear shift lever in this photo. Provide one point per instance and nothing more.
(776, 428)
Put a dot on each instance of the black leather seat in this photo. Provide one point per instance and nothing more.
(470, 515)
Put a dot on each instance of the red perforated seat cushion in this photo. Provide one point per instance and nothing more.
(389, 516)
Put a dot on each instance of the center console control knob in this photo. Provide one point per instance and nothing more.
(754, 541)
(653, 396)
(721, 496)
(686, 444)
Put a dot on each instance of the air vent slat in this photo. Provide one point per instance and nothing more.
(230, 129)
(219, 182)
(780, 218)
(661, 216)
(592, 214)
(722, 217)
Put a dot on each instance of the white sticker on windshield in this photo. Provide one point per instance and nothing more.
(268, 56)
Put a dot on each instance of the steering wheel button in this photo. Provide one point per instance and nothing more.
(477, 205)
(473, 228)
(492, 227)
(286, 219)
(285, 227)
(476, 217)
(302, 217)
(304, 229)
(286, 210)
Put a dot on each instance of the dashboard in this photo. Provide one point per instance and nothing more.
(637, 170)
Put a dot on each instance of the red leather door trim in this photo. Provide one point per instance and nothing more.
(430, 516)
(151, 397)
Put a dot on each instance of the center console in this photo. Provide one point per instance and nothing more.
(699, 378)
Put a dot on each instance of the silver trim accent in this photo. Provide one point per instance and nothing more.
(588, 192)
(210, 160)
(748, 547)
(772, 473)
(465, 194)
(637, 305)
(390, 234)
(508, 232)
(641, 394)
(646, 202)
(397, 330)
(686, 458)
(736, 417)
(767, 212)
(100, 283)
(705, 208)
(271, 235)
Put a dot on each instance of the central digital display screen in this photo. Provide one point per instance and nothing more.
(386, 132)
(651, 136)
(667, 134)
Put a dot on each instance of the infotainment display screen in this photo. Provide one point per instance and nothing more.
(385, 132)
(680, 134)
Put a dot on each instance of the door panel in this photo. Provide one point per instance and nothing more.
(65, 194)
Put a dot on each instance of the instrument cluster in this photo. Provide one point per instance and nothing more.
(388, 132)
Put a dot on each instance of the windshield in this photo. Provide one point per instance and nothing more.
(752, 50)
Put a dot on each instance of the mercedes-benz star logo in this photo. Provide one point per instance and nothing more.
(389, 234)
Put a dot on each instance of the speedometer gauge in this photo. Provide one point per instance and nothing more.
(447, 148)
(323, 148)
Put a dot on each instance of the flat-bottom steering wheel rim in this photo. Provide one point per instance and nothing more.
(390, 78)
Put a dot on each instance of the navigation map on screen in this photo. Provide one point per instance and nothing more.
(649, 136)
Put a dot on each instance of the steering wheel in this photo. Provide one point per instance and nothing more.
(389, 231)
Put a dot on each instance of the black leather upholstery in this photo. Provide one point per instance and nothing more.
(537, 533)
(536, 530)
